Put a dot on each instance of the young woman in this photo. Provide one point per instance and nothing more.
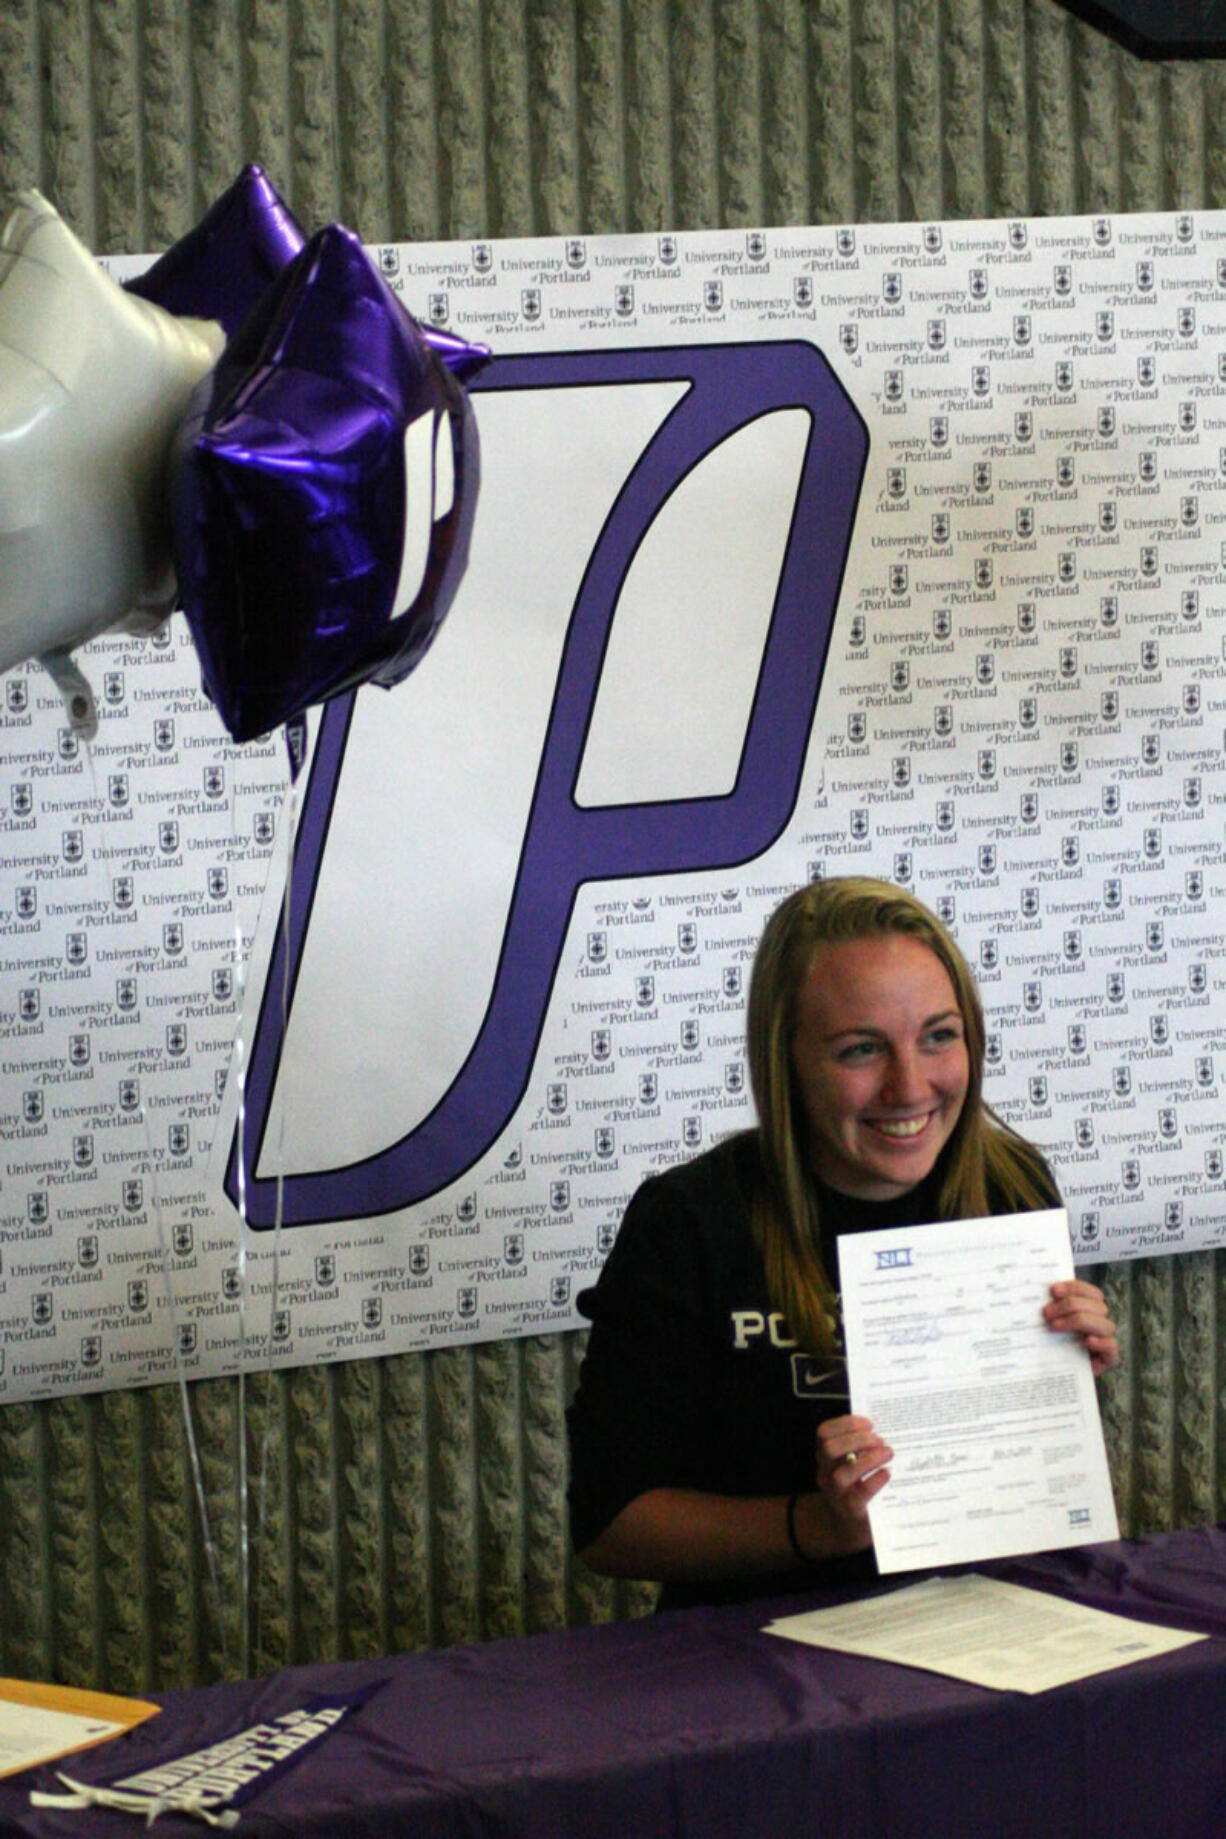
(711, 1444)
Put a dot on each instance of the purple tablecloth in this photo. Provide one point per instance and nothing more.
(696, 1723)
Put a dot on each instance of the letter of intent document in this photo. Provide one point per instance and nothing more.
(992, 1417)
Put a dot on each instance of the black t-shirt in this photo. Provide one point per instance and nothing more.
(692, 1379)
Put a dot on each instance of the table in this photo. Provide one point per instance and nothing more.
(696, 1723)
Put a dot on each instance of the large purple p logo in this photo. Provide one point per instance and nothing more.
(566, 843)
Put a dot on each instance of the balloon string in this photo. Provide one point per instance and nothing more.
(292, 816)
(212, 1568)
(243, 1477)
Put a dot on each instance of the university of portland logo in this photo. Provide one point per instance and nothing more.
(325, 1270)
(845, 242)
(530, 304)
(667, 251)
(419, 1260)
(138, 1295)
(164, 734)
(576, 252)
(605, 1141)
(483, 258)
(438, 309)
(623, 300)
(213, 781)
(802, 290)
(17, 696)
(466, 1302)
(25, 902)
(389, 260)
(187, 1338)
(372, 1312)
(713, 296)
(1215, 1164)
(559, 1195)
(1083, 1131)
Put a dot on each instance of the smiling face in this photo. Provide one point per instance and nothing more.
(880, 1061)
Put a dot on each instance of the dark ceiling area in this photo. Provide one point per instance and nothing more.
(1159, 28)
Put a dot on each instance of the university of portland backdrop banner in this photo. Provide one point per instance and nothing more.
(895, 550)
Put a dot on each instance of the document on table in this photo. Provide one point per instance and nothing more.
(993, 1418)
(993, 1634)
(39, 1722)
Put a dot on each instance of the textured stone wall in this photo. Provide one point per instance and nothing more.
(420, 1499)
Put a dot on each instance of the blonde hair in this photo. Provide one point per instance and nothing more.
(984, 1161)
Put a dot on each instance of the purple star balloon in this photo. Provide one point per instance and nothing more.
(241, 245)
(228, 262)
(323, 489)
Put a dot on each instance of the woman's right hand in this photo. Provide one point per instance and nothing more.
(851, 1470)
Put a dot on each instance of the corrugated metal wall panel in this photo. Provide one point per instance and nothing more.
(420, 1499)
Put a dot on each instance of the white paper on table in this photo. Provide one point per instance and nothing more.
(993, 1634)
(40, 1722)
(992, 1417)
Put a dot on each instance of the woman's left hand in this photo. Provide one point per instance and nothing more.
(1079, 1308)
